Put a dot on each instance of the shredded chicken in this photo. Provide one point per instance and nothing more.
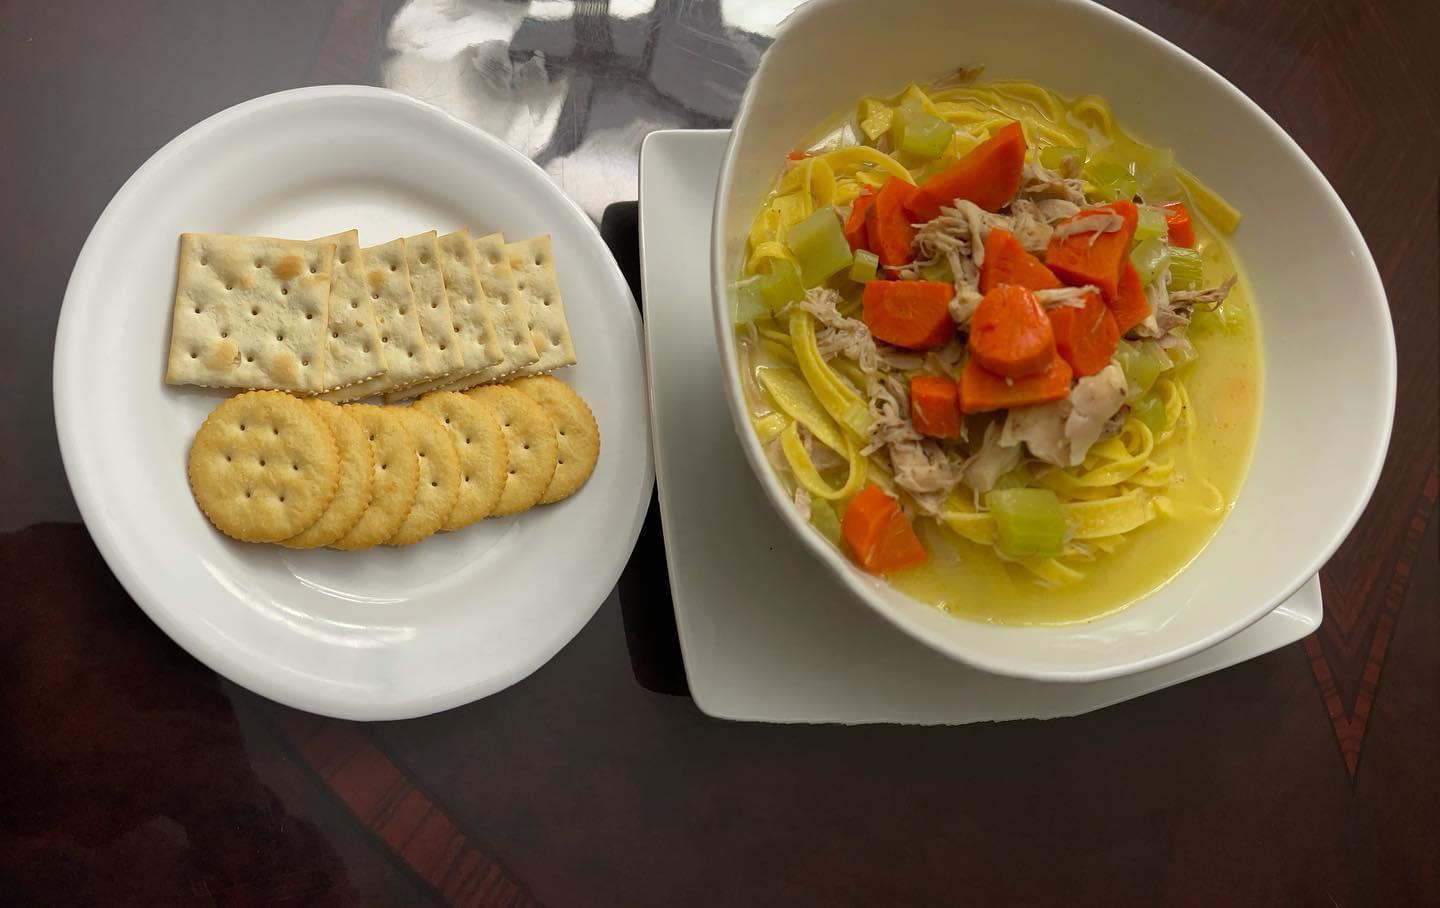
(1178, 340)
(889, 415)
(1065, 296)
(925, 470)
(1041, 428)
(1171, 319)
(821, 454)
(1052, 210)
(991, 462)
(838, 334)
(947, 359)
(1170, 311)
(1030, 226)
(802, 503)
(1062, 432)
(1097, 223)
(899, 358)
(963, 305)
(961, 229)
(920, 465)
(1037, 182)
(1210, 297)
(1093, 400)
(1158, 296)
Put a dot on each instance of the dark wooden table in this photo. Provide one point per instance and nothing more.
(131, 774)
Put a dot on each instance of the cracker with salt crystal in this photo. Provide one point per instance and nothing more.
(536, 286)
(250, 313)
(353, 351)
(407, 359)
(428, 278)
(492, 345)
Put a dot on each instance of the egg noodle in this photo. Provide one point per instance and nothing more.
(811, 412)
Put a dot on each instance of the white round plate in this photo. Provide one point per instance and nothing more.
(379, 634)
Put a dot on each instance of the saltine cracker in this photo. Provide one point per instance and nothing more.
(407, 359)
(353, 352)
(250, 312)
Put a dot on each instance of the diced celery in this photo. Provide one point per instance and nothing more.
(1152, 168)
(1149, 258)
(1151, 411)
(1142, 364)
(750, 300)
(919, 132)
(1028, 522)
(937, 271)
(781, 286)
(1182, 355)
(1111, 181)
(1228, 320)
(1187, 272)
(819, 245)
(865, 267)
(824, 519)
(1054, 157)
(1017, 478)
(1151, 224)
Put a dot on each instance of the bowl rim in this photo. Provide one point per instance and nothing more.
(866, 588)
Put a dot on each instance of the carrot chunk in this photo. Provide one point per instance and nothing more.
(855, 231)
(1177, 220)
(1007, 262)
(888, 223)
(1009, 333)
(982, 390)
(989, 176)
(1130, 307)
(935, 406)
(1085, 338)
(879, 535)
(1094, 258)
(910, 314)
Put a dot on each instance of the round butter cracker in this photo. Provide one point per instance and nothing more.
(439, 476)
(577, 434)
(531, 441)
(263, 467)
(397, 477)
(480, 444)
(357, 479)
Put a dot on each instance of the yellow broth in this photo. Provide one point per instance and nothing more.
(1224, 387)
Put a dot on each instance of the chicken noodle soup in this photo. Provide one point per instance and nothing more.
(999, 350)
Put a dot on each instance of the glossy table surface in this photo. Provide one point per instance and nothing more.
(134, 775)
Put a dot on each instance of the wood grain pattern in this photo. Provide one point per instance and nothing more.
(132, 775)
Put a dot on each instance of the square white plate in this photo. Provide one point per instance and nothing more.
(767, 633)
